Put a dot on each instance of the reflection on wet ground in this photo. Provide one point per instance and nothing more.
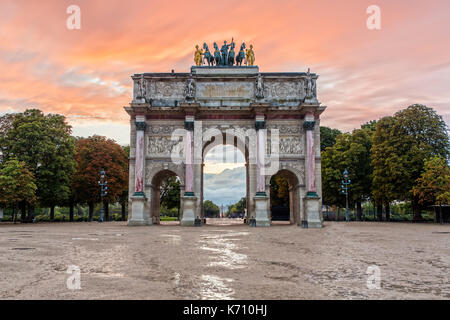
(214, 287)
(223, 248)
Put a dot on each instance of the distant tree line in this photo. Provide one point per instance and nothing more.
(403, 157)
(42, 164)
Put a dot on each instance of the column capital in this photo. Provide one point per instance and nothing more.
(189, 125)
(141, 125)
(309, 125)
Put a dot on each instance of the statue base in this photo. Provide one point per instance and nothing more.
(313, 212)
(262, 211)
(189, 205)
(138, 217)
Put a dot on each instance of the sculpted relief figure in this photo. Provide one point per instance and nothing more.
(259, 87)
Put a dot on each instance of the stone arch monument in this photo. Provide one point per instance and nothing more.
(273, 118)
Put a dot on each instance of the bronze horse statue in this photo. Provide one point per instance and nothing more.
(217, 55)
(241, 55)
(231, 55)
(207, 55)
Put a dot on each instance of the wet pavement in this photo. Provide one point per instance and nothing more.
(224, 259)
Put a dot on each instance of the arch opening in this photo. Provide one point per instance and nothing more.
(166, 194)
(224, 182)
(284, 206)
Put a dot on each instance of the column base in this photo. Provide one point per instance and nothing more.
(313, 212)
(262, 211)
(138, 216)
(189, 204)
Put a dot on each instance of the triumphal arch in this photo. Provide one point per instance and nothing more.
(272, 117)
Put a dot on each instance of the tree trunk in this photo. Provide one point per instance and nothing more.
(358, 211)
(123, 211)
(387, 208)
(14, 213)
(30, 213)
(91, 211)
(52, 213)
(380, 212)
(106, 210)
(23, 211)
(417, 210)
(71, 205)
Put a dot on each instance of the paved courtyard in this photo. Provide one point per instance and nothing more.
(224, 260)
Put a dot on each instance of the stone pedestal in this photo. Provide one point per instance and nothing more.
(262, 210)
(313, 212)
(139, 217)
(189, 204)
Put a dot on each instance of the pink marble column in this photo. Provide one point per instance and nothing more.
(260, 152)
(189, 183)
(139, 162)
(309, 126)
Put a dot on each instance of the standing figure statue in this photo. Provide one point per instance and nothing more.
(241, 55)
(224, 51)
(217, 56)
(207, 55)
(142, 88)
(190, 89)
(259, 87)
(310, 86)
(250, 56)
(198, 56)
(231, 54)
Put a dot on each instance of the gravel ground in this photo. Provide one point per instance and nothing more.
(224, 260)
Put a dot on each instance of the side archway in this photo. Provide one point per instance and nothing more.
(286, 199)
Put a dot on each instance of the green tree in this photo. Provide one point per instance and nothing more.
(352, 152)
(279, 191)
(92, 155)
(433, 187)
(210, 209)
(400, 146)
(170, 192)
(17, 184)
(238, 207)
(328, 137)
(45, 144)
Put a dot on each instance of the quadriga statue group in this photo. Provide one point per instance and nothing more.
(226, 56)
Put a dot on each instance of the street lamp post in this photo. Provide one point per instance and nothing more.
(345, 183)
(103, 187)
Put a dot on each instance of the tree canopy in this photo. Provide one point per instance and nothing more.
(92, 155)
(17, 183)
(44, 143)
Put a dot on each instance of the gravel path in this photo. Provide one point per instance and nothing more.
(224, 260)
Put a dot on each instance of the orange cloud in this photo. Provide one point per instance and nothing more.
(85, 74)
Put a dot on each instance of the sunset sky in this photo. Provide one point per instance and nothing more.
(85, 74)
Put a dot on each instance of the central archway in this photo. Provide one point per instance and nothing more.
(220, 144)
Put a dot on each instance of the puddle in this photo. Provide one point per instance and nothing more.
(224, 249)
(23, 248)
(215, 288)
